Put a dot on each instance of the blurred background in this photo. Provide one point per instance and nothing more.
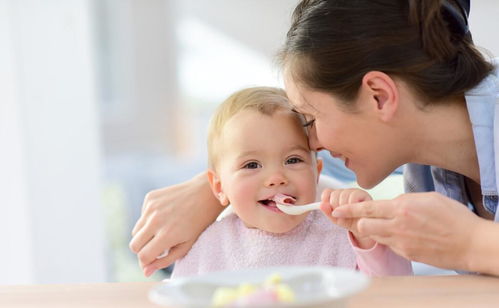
(102, 101)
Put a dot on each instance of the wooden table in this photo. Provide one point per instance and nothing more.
(418, 291)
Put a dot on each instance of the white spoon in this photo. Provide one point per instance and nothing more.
(297, 209)
(286, 204)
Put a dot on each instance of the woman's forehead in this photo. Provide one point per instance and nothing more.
(300, 97)
(300, 103)
(295, 94)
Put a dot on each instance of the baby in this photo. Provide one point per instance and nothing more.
(258, 148)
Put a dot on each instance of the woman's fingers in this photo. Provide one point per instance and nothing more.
(138, 225)
(175, 253)
(148, 227)
(155, 247)
(140, 239)
(375, 227)
(367, 209)
(151, 208)
(143, 218)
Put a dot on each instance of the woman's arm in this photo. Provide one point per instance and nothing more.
(172, 219)
(484, 252)
(429, 228)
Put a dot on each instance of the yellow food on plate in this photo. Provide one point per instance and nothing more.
(271, 291)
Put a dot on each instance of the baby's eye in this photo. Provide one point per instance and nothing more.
(251, 165)
(293, 160)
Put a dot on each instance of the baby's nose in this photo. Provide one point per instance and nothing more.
(276, 179)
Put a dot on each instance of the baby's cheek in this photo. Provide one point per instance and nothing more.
(309, 190)
(245, 192)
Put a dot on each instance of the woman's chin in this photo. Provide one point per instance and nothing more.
(368, 182)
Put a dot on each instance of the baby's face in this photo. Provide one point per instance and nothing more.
(261, 156)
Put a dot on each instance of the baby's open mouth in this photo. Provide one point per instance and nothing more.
(280, 198)
(267, 202)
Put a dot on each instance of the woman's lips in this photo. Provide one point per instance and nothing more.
(335, 155)
(345, 160)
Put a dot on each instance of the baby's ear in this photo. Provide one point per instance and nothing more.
(319, 167)
(216, 187)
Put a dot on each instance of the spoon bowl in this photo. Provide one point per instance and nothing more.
(297, 209)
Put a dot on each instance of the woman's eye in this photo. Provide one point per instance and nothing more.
(293, 160)
(251, 165)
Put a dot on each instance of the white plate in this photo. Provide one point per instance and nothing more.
(312, 285)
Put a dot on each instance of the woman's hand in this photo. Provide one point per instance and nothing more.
(423, 227)
(332, 199)
(172, 219)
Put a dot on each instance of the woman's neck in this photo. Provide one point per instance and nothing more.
(444, 138)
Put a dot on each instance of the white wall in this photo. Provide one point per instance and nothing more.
(484, 24)
(15, 232)
(51, 217)
(138, 54)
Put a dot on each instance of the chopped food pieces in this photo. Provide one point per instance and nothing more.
(272, 291)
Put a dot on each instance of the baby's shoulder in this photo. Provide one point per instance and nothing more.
(227, 226)
(214, 237)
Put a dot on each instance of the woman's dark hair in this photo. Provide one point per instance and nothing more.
(332, 44)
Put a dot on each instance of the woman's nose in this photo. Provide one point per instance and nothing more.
(313, 142)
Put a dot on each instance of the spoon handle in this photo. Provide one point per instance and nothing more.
(298, 209)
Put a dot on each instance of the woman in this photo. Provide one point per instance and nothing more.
(382, 84)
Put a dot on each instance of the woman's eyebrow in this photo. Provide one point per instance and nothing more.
(300, 115)
(298, 109)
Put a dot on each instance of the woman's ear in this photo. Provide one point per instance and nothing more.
(216, 187)
(382, 91)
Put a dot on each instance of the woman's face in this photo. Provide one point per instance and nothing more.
(357, 136)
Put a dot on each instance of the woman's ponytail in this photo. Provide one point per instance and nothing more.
(434, 33)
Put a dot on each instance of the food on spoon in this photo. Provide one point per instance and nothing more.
(283, 199)
(272, 291)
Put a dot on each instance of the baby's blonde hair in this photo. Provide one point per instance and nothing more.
(265, 100)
